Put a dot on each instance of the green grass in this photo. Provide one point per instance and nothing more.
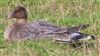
(61, 12)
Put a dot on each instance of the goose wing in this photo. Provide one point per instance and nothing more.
(54, 28)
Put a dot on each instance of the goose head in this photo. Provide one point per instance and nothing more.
(19, 13)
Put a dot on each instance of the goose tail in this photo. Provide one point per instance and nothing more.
(74, 37)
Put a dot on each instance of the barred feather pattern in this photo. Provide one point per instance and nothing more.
(36, 30)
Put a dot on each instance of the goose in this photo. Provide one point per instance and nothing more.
(22, 30)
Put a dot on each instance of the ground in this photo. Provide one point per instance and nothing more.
(60, 12)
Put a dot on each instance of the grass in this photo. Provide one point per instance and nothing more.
(60, 12)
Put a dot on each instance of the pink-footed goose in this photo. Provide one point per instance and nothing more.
(21, 30)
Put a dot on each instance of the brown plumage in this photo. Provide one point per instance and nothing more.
(21, 30)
